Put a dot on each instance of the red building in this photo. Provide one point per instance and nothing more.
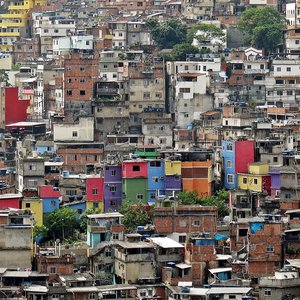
(244, 155)
(12, 109)
(95, 193)
(10, 201)
(135, 169)
(48, 191)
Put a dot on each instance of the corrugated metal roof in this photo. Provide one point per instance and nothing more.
(229, 290)
(165, 242)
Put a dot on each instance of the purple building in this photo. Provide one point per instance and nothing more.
(275, 180)
(173, 183)
(112, 187)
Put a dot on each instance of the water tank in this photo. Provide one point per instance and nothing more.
(65, 173)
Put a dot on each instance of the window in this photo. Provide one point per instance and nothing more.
(268, 292)
(229, 164)
(81, 80)
(113, 203)
(279, 93)
(113, 172)
(255, 181)
(182, 239)
(32, 167)
(184, 90)
(139, 196)
(245, 180)
(287, 196)
(146, 95)
(230, 178)
(74, 156)
(297, 42)
(196, 223)
(278, 69)
(229, 147)
(95, 205)
(182, 223)
(69, 80)
(94, 191)
(92, 296)
(69, 92)
(155, 179)
(289, 93)
(232, 296)
(152, 195)
(112, 188)
(52, 270)
(81, 68)
(74, 134)
(27, 205)
(270, 248)
(155, 164)
(176, 177)
(275, 159)
(82, 92)
(288, 69)
(135, 168)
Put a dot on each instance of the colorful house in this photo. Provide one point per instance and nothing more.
(275, 181)
(156, 179)
(135, 180)
(36, 207)
(112, 187)
(50, 197)
(236, 157)
(198, 176)
(257, 179)
(149, 152)
(79, 206)
(173, 180)
(10, 201)
(94, 193)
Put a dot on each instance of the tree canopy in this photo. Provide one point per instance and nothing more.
(134, 215)
(204, 33)
(167, 35)
(220, 200)
(62, 223)
(263, 27)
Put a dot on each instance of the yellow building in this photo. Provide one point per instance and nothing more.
(258, 168)
(97, 205)
(36, 207)
(14, 23)
(172, 167)
(250, 182)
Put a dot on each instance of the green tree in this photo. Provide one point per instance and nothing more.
(220, 200)
(4, 77)
(40, 231)
(134, 215)
(263, 27)
(62, 223)
(188, 198)
(204, 33)
(167, 35)
(83, 217)
(180, 51)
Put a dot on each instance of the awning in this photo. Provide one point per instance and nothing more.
(29, 79)
(219, 270)
(183, 266)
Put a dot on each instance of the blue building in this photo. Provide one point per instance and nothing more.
(45, 147)
(228, 154)
(50, 197)
(156, 179)
(79, 206)
(237, 155)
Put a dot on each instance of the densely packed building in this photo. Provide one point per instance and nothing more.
(95, 116)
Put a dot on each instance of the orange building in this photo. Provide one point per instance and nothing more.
(198, 176)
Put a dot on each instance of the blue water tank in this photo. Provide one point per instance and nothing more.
(65, 173)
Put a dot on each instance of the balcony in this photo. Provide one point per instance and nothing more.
(19, 7)
(134, 257)
(107, 91)
(13, 16)
(256, 71)
(9, 34)
(13, 24)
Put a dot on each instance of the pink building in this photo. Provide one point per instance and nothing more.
(135, 169)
